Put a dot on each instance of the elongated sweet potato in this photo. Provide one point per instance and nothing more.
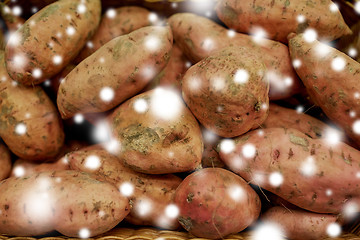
(114, 23)
(279, 18)
(290, 118)
(155, 191)
(115, 72)
(227, 92)
(5, 162)
(50, 39)
(208, 197)
(157, 132)
(69, 202)
(297, 168)
(29, 122)
(200, 37)
(299, 224)
(331, 79)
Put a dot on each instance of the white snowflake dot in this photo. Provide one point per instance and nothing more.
(16, 10)
(140, 105)
(351, 210)
(90, 44)
(357, 7)
(36, 73)
(299, 109)
(47, 83)
(231, 33)
(174, 5)
(268, 230)
(79, 118)
(143, 207)
(107, 94)
(172, 211)
(329, 192)
(249, 150)
(70, 30)
(300, 18)
(208, 44)
(296, 63)
(152, 43)
(352, 52)
(127, 189)
(241, 76)
(237, 193)
(84, 233)
(111, 13)
(57, 59)
(357, 95)
(153, 17)
(19, 171)
(81, 8)
(188, 64)
(356, 127)
(310, 35)
(352, 114)
(34, 9)
(276, 179)
(166, 104)
(227, 146)
(92, 162)
(334, 7)
(338, 64)
(308, 167)
(358, 175)
(333, 230)
(20, 129)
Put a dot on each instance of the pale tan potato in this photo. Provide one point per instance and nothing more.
(29, 122)
(120, 21)
(227, 92)
(115, 72)
(65, 201)
(156, 190)
(50, 39)
(5, 162)
(158, 133)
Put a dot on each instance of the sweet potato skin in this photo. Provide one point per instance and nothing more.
(159, 190)
(58, 29)
(5, 162)
(126, 20)
(279, 18)
(153, 142)
(332, 90)
(309, 167)
(299, 224)
(123, 65)
(44, 135)
(223, 105)
(61, 210)
(205, 204)
(23, 168)
(199, 37)
(280, 117)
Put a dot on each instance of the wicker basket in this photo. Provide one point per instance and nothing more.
(127, 232)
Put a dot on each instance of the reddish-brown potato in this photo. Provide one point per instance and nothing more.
(199, 37)
(279, 18)
(115, 72)
(70, 202)
(331, 79)
(157, 132)
(5, 162)
(290, 118)
(215, 202)
(298, 224)
(155, 191)
(297, 168)
(114, 23)
(50, 39)
(29, 122)
(227, 92)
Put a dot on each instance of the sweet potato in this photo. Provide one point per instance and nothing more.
(116, 22)
(280, 117)
(157, 190)
(115, 72)
(299, 224)
(5, 162)
(69, 202)
(297, 168)
(50, 39)
(331, 79)
(227, 92)
(157, 132)
(29, 122)
(172, 74)
(215, 202)
(279, 18)
(199, 37)
(23, 168)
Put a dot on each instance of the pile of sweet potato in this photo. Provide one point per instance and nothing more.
(197, 122)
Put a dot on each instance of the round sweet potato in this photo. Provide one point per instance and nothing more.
(215, 202)
(157, 132)
(50, 39)
(227, 91)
